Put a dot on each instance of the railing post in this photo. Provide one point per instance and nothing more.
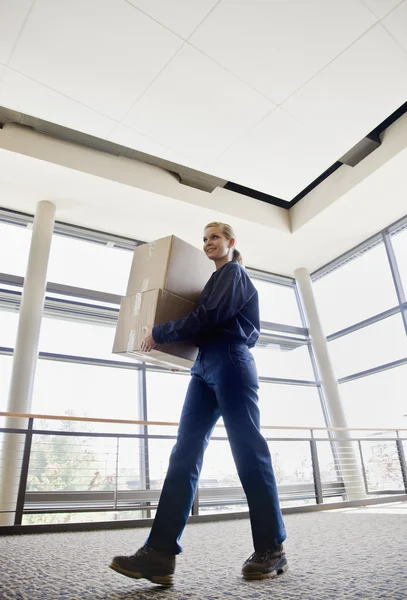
(315, 470)
(402, 459)
(195, 505)
(18, 517)
(362, 462)
(116, 479)
(144, 461)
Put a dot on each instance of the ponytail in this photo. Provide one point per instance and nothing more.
(229, 234)
(237, 256)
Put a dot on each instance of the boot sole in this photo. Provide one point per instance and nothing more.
(259, 575)
(166, 580)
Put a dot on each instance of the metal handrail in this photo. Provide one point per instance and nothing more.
(36, 502)
(176, 423)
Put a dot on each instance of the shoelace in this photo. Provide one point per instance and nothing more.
(261, 557)
(143, 551)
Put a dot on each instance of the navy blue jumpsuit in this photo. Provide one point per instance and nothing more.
(224, 382)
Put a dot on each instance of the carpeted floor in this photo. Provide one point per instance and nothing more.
(354, 553)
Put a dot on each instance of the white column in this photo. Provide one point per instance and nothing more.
(346, 456)
(25, 355)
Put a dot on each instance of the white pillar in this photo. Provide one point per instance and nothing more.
(25, 355)
(346, 456)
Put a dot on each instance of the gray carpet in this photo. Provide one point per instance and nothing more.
(355, 553)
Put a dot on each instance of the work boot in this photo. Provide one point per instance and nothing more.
(261, 565)
(146, 563)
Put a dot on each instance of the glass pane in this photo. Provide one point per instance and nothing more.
(101, 268)
(327, 464)
(165, 397)
(382, 466)
(399, 241)
(63, 336)
(6, 364)
(14, 249)
(364, 286)
(219, 468)
(71, 463)
(8, 328)
(377, 400)
(129, 464)
(291, 364)
(78, 339)
(277, 303)
(159, 454)
(291, 406)
(291, 462)
(85, 391)
(380, 343)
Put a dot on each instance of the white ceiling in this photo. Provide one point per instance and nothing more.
(97, 203)
(265, 93)
(140, 201)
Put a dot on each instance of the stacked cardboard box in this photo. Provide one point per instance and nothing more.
(165, 281)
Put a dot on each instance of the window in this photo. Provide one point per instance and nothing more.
(359, 289)
(159, 454)
(291, 461)
(165, 397)
(69, 463)
(8, 328)
(219, 468)
(290, 405)
(382, 465)
(399, 241)
(285, 364)
(14, 249)
(377, 400)
(89, 265)
(6, 364)
(379, 343)
(78, 339)
(82, 390)
(278, 303)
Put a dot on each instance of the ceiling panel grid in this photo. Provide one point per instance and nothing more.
(98, 52)
(265, 93)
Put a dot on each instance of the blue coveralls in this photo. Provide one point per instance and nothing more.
(224, 382)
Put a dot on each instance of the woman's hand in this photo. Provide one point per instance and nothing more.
(147, 343)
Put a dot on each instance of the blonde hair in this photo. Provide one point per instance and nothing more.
(229, 234)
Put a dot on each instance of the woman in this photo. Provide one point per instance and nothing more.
(224, 382)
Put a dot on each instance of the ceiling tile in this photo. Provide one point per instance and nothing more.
(356, 92)
(13, 14)
(396, 24)
(279, 156)
(100, 52)
(125, 136)
(381, 8)
(22, 94)
(277, 46)
(181, 16)
(197, 108)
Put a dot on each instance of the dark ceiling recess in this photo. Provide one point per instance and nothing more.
(315, 183)
(355, 155)
(240, 189)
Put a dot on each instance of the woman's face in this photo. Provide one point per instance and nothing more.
(216, 246)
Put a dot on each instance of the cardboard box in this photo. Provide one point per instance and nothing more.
(172, 265)
(154, 307)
